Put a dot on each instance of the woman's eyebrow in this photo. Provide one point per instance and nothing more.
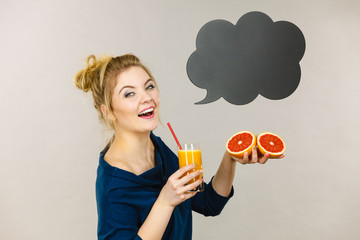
(149, 80)
(129, 86)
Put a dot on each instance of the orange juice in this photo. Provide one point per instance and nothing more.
(191, 156)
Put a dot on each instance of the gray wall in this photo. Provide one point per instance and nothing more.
(50, 136)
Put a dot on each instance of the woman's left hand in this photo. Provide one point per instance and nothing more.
(255, 157)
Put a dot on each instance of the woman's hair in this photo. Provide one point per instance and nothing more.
(99, 77)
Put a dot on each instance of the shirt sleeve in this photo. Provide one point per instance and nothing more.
(209, 202)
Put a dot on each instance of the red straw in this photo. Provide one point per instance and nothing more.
(172, 131)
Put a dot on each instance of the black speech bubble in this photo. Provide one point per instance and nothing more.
(239, 62)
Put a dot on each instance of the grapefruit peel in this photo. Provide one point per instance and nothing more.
(270, 143)
(267, 143)
(241, 142)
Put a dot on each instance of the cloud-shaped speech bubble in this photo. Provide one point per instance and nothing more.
(239, 62)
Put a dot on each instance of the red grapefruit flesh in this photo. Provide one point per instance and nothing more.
(240, 143)
(271, 143)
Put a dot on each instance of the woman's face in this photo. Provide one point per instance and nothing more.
(135, 101)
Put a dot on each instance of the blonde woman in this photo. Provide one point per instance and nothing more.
(140, 190)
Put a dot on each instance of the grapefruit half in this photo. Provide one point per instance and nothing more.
(271, 143)
(240, 143)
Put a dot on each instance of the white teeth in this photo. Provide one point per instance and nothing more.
(146, 111)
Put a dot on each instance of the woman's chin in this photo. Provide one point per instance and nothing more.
(151, 126)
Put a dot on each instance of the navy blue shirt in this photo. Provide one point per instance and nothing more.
(124, 199)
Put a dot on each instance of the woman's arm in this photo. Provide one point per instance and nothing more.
(156, 222)
(224, 177)
(172, 194)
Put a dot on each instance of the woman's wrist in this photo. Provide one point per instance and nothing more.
(229, 158)
(163, 204)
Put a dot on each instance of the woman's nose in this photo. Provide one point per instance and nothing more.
(146, 97)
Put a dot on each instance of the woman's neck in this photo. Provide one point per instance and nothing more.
(132, 151)
(133, 143)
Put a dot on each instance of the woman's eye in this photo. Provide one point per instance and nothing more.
(129, 94)
(151, 86)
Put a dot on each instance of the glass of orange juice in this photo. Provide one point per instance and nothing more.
(191, 154)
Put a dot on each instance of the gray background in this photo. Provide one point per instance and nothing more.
(50, 136)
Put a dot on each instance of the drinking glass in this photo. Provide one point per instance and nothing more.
(191, 154)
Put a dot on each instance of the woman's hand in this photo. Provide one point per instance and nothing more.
(172, 194)
(255, 157)
(175, 191)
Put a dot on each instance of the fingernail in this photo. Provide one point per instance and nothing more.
(201, 179)
(267, 155)
(282, 156)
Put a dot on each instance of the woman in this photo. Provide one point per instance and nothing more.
(140, 190)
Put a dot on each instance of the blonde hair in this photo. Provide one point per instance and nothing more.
(99, 77)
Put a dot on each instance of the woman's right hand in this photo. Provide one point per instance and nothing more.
(175, 191)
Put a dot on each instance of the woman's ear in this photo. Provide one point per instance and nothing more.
(107, 113)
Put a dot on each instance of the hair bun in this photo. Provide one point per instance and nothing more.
(87, 77)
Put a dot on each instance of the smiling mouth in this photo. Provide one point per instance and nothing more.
(147, 113)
